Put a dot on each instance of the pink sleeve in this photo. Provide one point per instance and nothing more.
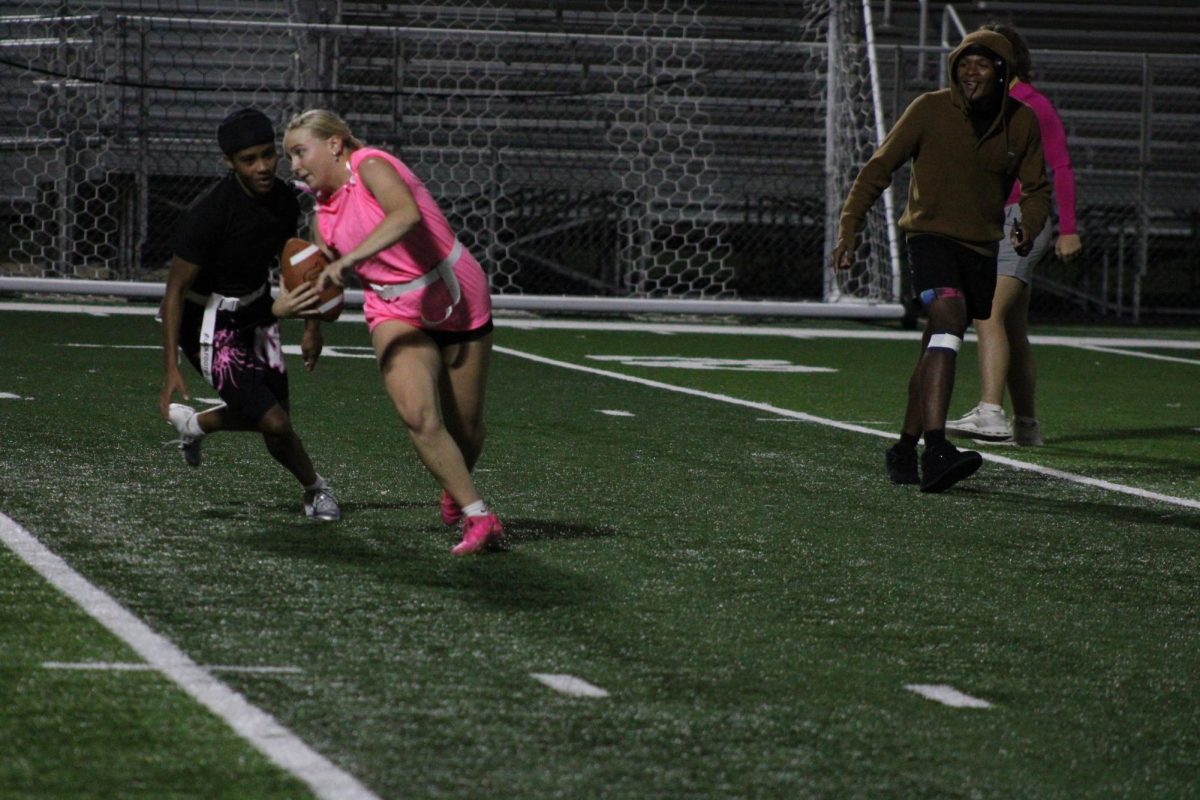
(1058, 160)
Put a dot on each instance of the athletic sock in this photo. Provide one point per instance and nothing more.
(990, 407)
(908, 441)
(476, 509)
(319, 483)
(935, 438)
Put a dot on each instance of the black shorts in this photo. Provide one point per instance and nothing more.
(935, 262)
(447, 338)
(248, 370)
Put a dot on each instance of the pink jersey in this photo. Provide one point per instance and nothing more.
(351, 213)
(1054, 147)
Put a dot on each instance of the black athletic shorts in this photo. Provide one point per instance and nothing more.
(247, 370)
(935, 262)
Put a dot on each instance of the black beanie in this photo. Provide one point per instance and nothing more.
(244, 128)
(987, 52)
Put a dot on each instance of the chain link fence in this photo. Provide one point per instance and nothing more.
(625, 148)
(642, 149)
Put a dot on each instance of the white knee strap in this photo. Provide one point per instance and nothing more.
(944, 341)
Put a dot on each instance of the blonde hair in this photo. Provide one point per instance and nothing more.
(325, 124)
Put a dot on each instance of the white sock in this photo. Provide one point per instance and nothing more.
(319, 483)
(990, 407)
(476, 509)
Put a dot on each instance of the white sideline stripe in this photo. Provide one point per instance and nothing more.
(847, 426)
(946, 695)
(668, 328)
(612, 412)
(121, 666)
(282, 747)
(1153, 356)
(569, 684)
(822, 333)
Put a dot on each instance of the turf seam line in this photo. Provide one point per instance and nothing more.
(846, 426)
(280, 746)
(123, 666)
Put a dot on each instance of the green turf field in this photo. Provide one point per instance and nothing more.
(696, 529)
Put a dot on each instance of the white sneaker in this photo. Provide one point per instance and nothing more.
(320, 504)
(1027, 432)
(985, 421)
(178, 414)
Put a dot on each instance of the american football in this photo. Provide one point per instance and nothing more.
(303, 261)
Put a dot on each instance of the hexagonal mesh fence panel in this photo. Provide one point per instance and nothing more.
(630, 148)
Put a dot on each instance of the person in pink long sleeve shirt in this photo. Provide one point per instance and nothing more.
(1005, 356)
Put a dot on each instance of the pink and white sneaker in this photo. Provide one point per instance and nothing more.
(451, 511)
(479, 533)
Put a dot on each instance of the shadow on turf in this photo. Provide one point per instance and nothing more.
(516, 530)
(1111, 512)
(402, 556)
(519, 531)
(499, 581)
(1129, 434)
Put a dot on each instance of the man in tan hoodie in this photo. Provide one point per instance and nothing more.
(968, 144)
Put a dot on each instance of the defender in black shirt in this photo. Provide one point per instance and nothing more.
(217, 308)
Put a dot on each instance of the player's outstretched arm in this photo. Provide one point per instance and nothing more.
(179, 279)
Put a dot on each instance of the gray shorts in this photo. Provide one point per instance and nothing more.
(1008, 262)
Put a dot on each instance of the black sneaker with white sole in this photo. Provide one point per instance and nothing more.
(945, 465)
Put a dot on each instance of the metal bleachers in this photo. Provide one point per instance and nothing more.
(1156, 26)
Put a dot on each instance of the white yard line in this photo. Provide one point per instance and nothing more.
(846, 426)
(946, 695)
(1111, 345)
(1137, 353)
(569, 685)
(282, 747)
(669, 328)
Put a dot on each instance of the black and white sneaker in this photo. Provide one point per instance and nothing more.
(321, 505)
(178, 414)
(945, 465)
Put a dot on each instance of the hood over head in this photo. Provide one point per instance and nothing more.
(987, 43)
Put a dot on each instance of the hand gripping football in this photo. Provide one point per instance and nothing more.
(303, 261)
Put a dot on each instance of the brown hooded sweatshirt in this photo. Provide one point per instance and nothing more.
(959, 182)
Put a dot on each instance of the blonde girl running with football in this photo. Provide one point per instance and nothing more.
(426, 302)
